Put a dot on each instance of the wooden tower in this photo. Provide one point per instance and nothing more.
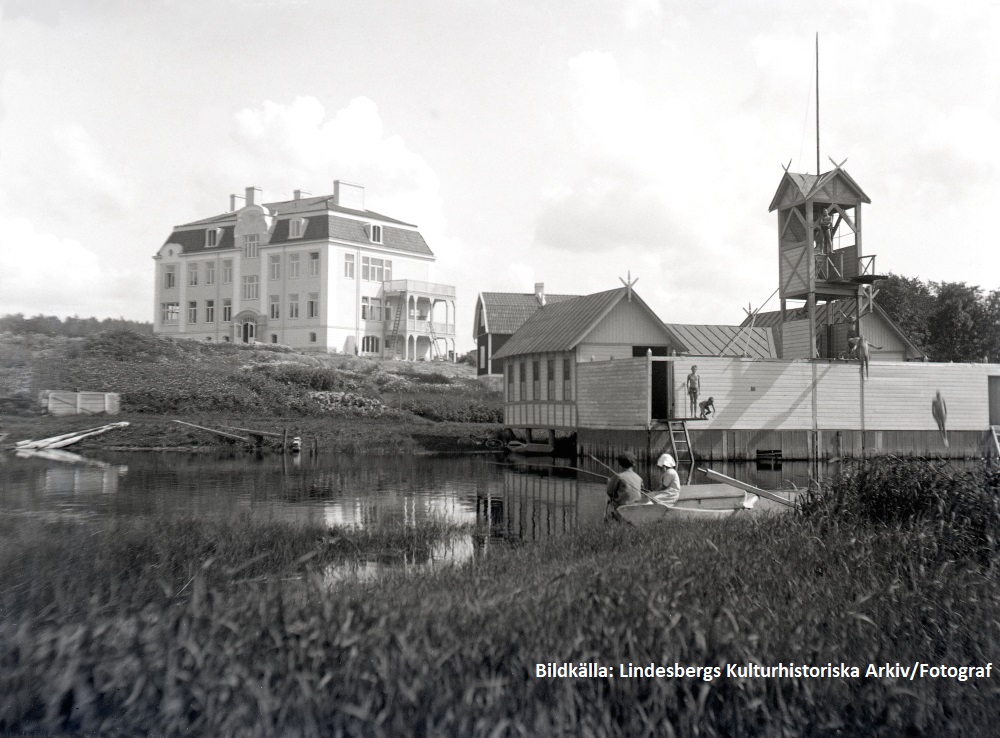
(820, 258)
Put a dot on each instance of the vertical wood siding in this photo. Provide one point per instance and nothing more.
(613, 394)
(626, 325)
(796, 340)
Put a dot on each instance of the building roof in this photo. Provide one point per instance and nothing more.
(505, 312)
(807, 186)
(844, 311)
(319, 227)
(560, 326)
(303, 205)
(727, 340)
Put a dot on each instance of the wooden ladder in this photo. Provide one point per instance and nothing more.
(995, 430)
(395, 331)
(435, 350)
(680, 443)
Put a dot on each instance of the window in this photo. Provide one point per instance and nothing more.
(212, 238)
(551, 377)
(536, 381)
(371, 308)
(312, 305)
(192, 312)
(313, 263)
(274, 338)
(521, 381)
(482, 357)
(251, 287)
(349, 266)
(169, 276)
(293, 266)
(170, 312)
(193, 274)
(510, 382)
(293, 306)
(375, 270)
(369, 344)
(376, 233)
(209, 272)
(227, 271)
(274, 264)
(227, 310)
(567, 379)
(296, 227)
(275, 311)
(250, 244)
(209, 311)
(312, 338)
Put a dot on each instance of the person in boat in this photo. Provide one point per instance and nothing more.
(625, 487)
(670, 482)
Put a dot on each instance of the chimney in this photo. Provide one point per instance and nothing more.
(347, 195)
(232, 202)
(251, 196)
(299, 194)
(540, 292)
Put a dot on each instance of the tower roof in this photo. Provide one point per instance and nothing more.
(835, 186)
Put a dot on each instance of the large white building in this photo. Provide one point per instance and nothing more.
(315, 273)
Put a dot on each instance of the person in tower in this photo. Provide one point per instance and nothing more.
(825, 232)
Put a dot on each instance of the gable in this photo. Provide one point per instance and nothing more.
(835, 186)
(628, 324)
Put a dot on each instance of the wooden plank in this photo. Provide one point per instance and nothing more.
(217, 432)
(746, 487)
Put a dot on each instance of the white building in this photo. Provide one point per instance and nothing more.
(315, 273)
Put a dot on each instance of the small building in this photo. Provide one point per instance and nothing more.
(316, 273)
(498, 317)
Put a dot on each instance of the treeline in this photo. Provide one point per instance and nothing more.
(950, 321)
(74, 327)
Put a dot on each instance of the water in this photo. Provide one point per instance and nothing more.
(498, 500)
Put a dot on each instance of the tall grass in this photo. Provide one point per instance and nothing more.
(230, 628)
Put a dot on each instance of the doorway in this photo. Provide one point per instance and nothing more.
(660, 382)
(248, 331)
(994, 400)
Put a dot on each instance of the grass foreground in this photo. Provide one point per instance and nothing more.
(231, 628)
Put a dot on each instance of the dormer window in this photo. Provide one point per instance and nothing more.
(376, 233)
(296, 227)
(212, 237)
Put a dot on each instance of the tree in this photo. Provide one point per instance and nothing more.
(909, 303)
(958, 326)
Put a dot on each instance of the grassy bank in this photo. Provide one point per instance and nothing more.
(217, 628)
(346, 403)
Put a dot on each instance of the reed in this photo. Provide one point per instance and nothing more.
(230, 628)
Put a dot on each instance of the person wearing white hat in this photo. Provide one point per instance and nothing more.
(670, 482)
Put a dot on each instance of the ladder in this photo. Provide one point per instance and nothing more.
(394, 337)
(995, 430)
(435, 351)
(680, 443)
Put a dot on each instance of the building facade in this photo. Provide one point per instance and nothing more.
(315, 273)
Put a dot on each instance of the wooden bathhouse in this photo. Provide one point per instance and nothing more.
(783, 386)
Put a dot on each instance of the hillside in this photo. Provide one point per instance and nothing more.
(263, 384)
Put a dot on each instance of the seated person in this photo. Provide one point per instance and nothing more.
(625, 487)
(670, 483)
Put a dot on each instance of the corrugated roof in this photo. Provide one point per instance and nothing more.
(731, 340)
(562, 325)
(844, 311)
(507, 311)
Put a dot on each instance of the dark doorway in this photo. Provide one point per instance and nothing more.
(994, 398)
(660, 382)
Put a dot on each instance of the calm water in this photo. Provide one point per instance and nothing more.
(501, 499)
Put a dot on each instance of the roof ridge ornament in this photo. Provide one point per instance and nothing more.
(628, 284)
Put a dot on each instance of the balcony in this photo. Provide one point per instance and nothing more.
(422, 326)
(434, 289)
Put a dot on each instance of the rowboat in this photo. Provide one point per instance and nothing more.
(533, 449)
(696, 502)
(67, 439)
(746, 487)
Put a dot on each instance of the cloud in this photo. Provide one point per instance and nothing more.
(45, 273)
(85, 165)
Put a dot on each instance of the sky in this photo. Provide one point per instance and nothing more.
(569, 142)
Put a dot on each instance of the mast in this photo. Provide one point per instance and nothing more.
(817, 104)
